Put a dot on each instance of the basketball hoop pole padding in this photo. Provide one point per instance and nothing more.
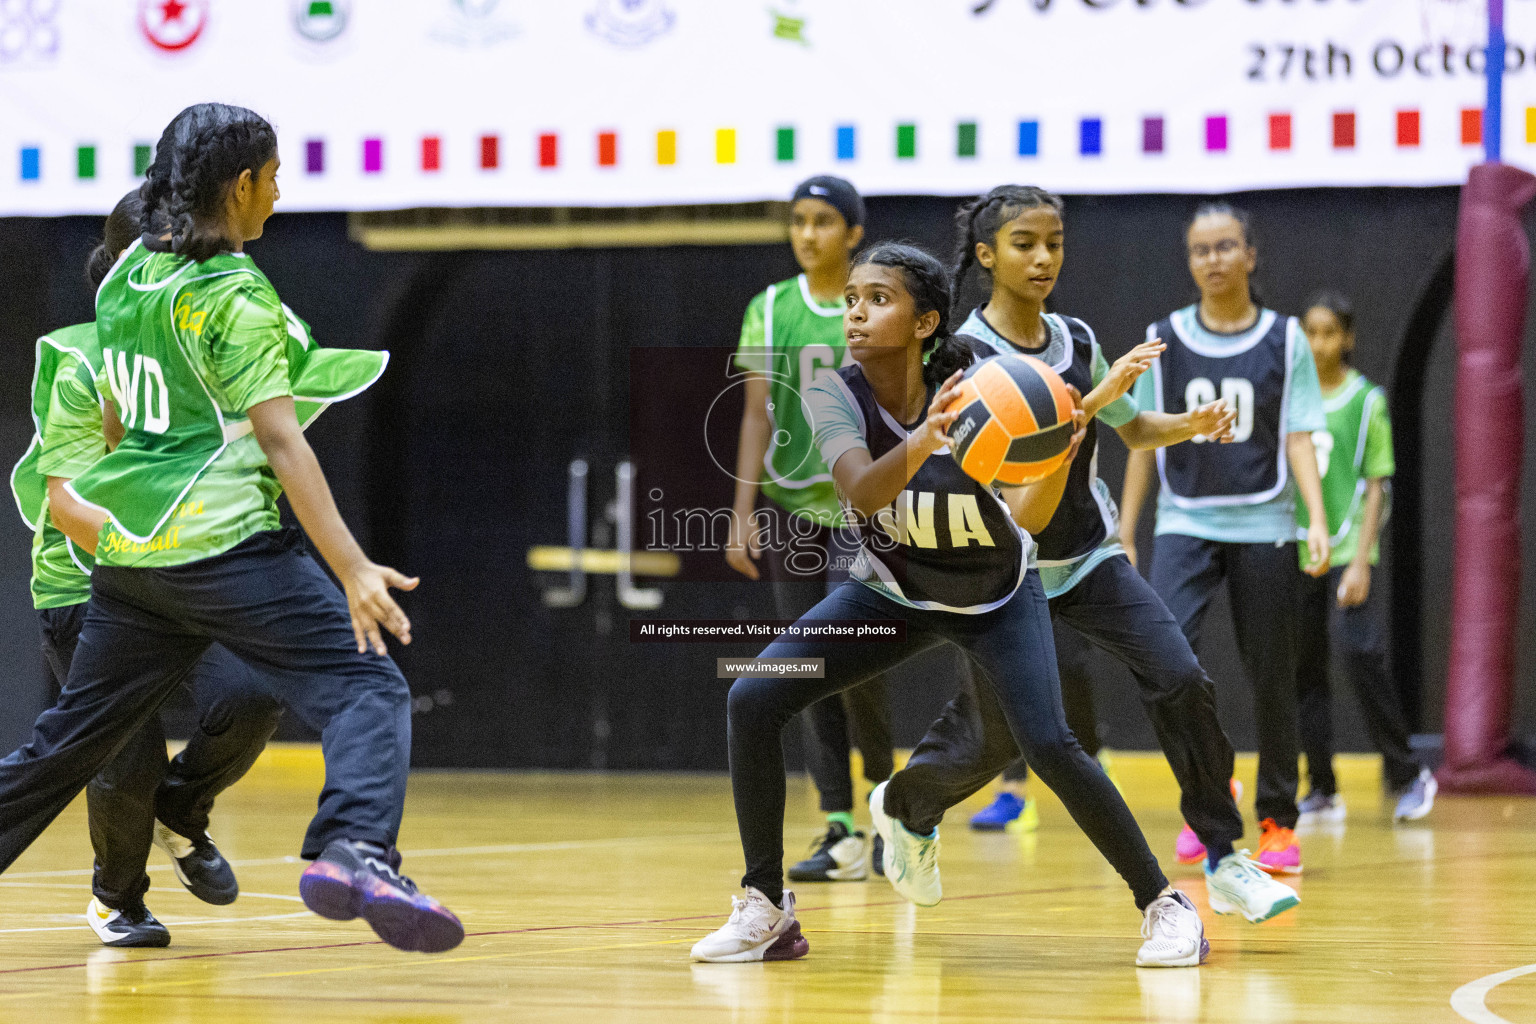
(1492, 266)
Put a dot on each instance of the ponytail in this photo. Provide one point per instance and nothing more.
(118, 233)
(928, 284)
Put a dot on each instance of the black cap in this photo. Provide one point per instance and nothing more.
(837, 192)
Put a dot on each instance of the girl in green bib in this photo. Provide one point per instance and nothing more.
(183, 523)
(1354, 456)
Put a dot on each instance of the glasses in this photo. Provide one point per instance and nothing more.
(1225, 247)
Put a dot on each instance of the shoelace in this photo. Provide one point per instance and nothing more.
(388, 872)
(829, 839)
(1248, 873)
(744, 914)
(1159, 918)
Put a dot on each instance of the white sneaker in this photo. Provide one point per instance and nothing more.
(756, 930)
(911, 862)
(1418, 798)
(1239, 886)
(135, 928)
(1320, 809)
(1175, 936)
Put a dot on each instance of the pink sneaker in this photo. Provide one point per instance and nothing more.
(1189, 849)
(1279, 852)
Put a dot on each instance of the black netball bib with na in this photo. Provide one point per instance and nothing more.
(1252, 372)
(946, 543)
(1080, 523)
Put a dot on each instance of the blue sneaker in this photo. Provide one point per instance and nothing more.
(997, 815)
(353, 879)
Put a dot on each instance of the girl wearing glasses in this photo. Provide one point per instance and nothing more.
(1226, 512)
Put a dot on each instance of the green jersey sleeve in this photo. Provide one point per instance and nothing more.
(72, 440)
(1123, 409)
(836, 426)
(751, 354)
(1378, 440)
(247, 342)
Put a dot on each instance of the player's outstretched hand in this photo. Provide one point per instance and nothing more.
(934, 432)
(1127, 368)
(369, 601)
(1213, 421)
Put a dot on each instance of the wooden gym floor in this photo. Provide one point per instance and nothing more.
(583, 893)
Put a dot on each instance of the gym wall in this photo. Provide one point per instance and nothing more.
(508, 365)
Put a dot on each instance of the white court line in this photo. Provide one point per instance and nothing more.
(1469, 999)
(168, 922)
(453, 851)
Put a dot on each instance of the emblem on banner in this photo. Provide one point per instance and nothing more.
(630, 22)
(789, 27)
(320, 21)
(173, 25)
(29, 31)
(473, 23)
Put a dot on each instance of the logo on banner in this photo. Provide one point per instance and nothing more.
(789, 27)
(473, 23)
(173, 25)
(630, 22)
(29, 31)
(320, 21)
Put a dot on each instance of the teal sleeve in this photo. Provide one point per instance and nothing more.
(835, 424)
(1123, 409)
(1378, 439)
(1142, 392)
(751, 354)
(1305, 412)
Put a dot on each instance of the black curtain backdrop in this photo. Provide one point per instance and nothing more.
(508, 365)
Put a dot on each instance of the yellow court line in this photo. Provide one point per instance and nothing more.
(226, 980)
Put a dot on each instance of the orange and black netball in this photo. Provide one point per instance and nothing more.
(1015, 422)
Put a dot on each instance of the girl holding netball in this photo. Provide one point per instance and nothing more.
(786, 517)
(1226, 512)
(962, 575)
(189, 550)
(1342, 607)
(1015, 234)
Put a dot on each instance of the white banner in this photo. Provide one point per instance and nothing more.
(385, 104)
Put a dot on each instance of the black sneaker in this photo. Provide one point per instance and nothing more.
(840, 856)
(352, 879)
(199, 866)
(134, 928)
(877, 855)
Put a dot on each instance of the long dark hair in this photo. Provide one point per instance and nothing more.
(1342, 309)
(928, 284)
(981, 219)
(202, 150)
(1244, 220)
(121, 228)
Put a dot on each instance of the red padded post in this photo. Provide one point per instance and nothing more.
(1492, 267)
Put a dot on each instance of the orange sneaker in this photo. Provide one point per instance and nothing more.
(1279, 852)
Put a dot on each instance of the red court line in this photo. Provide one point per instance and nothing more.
(708, 917)
(540, 928)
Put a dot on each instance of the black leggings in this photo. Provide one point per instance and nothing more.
(1118, 610)
(1014, 656)
(803, 572)
(1076, 695)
